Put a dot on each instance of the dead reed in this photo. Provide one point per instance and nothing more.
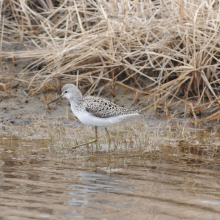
(165, 51)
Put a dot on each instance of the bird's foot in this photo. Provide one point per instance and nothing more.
(79, 145)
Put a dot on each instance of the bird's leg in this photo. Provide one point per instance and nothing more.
(96, 138)
(109, 139)
(95, 141)
(108, 134)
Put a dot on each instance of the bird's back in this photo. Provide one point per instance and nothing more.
(103, 108)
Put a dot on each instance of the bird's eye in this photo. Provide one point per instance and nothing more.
(65, 91)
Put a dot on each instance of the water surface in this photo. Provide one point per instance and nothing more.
(171, 182)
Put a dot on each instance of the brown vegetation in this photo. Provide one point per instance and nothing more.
(158, 49)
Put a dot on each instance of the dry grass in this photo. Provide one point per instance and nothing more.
(158, 49)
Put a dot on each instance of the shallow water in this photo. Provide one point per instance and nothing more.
(180, 182)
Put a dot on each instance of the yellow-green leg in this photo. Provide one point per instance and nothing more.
(109, 139)
(96, 139)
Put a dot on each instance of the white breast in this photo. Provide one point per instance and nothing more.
(88, 119)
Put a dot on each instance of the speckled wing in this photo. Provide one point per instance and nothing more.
(103, 108)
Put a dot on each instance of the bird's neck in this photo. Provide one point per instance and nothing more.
(75, 98)
(75, 101)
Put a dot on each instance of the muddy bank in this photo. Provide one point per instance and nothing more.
(19, 109)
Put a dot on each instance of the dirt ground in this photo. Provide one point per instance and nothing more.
(18, 109)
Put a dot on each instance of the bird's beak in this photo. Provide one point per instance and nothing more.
(56, 99)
